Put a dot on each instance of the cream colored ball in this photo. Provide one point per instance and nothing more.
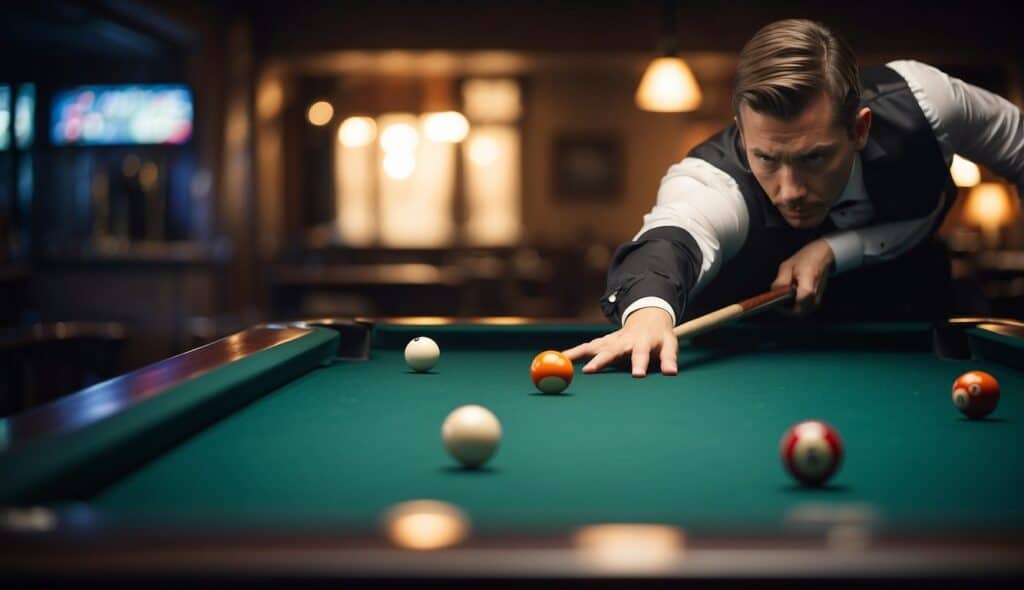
(471, 435)
(422, 353)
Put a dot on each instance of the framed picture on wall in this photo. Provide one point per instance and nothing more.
(588, 167)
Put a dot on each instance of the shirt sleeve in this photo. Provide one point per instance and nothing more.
(847, 250)
(707, 204)
(650, 301)
(966, 120)
(878, 243)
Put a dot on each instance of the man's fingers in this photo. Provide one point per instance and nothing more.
(807, 290)
(586, 349)
(641, 336)
(669, 356)
(601, 360)
(580, 351)
(641, 358)
(784, 278)
(820, 293)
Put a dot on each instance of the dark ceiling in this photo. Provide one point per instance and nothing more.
(150, 30)
(106, 28)
(874, 26)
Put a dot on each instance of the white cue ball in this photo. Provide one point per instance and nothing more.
(421, 353)
(471, 434)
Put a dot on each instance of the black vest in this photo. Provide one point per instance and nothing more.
(904, 173)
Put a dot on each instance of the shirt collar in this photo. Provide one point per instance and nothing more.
(855, 190)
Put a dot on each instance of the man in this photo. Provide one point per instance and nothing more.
(825, 172)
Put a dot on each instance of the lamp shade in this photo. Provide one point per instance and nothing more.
(668, 86)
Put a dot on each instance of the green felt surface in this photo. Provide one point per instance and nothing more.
(342, 443)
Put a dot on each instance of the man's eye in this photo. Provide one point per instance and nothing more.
(813, 159)
(766, 159)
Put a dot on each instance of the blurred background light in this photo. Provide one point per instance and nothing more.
(965, 172)
(484, 150)
(425, 525)
(399, 165)
(492, 100)
(493, 185)
(668, 85)
(130, 114)
(24, 115)
(320, 113)
(399, 137)
(5, 116)
(630, 548)
(357, 131)
(449, 126)
(270, 99)
(990, 207)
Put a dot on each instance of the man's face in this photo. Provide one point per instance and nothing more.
(802, 164)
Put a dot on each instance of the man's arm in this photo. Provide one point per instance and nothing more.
(699, 220)
(878, 243)
(966, 120)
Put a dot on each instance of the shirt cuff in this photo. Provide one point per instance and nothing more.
(649, 302)
(847, 249)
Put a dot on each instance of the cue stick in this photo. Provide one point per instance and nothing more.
(729, 313)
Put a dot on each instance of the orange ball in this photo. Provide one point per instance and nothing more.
(551, 371)
(976, 393)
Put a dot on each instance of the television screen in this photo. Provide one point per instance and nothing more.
(137, 114)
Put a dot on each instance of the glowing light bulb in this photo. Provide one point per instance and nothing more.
(668, 85)
(449, 126)
(989, 206)
(320, 113)
(357, 132)
(399, 137)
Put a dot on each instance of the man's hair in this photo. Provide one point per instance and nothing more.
(789, 63)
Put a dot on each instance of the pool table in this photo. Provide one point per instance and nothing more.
(279, 452)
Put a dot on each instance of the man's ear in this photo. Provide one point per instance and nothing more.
(862, 127)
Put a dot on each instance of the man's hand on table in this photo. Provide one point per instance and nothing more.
(808, 270)
(647, 331)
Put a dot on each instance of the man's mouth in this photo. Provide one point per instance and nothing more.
(801, 215)
(793, 212)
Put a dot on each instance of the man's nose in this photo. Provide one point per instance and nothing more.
(791, 187)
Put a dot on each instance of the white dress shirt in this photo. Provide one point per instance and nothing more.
(967, 120)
